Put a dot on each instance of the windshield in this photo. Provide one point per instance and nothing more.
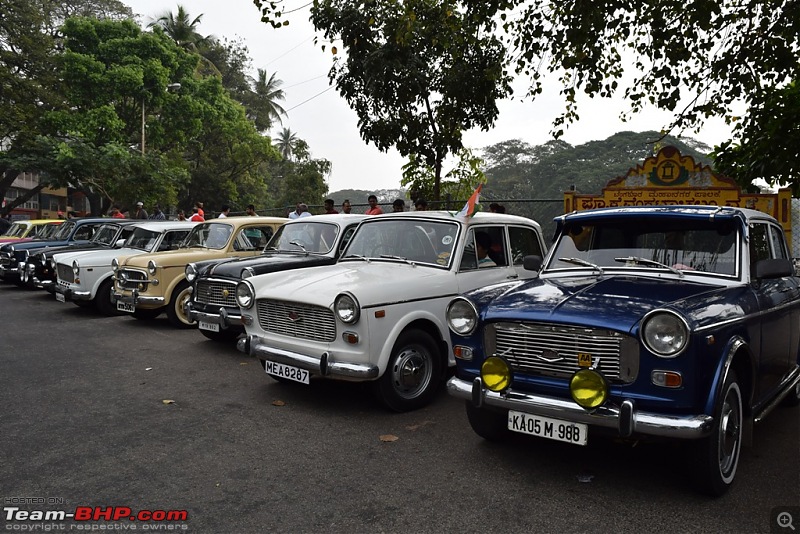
(418, 241)
(64, 230)
(105, 235)
(15, 230)
(209, 235)
(47, 231)
(681, 245)
(317, 237)
(142, 239)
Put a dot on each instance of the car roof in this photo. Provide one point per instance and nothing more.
(158, 226)
(338, 218)
(481, 217)
(683, 211)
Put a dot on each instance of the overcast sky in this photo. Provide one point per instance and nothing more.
(317, 114)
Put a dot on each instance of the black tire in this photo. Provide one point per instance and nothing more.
(147, 315)
(102, 300)
(223, 336)
(718, 455)
(488, 423)
(176, 312)
(412, 377)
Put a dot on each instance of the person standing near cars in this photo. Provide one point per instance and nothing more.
(374, 209)
(140, 212)
(225, 211)
(251, 211)
(346, 207)
(329, 209)
(398, 205)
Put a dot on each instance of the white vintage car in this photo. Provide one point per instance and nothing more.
(379, 313)
(86, 277)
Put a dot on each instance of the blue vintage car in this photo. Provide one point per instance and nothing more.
(665, 321)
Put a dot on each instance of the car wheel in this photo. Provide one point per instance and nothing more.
(176, 310)
(718, 454)
(488, 423)
(147, 315)
(412, 377)
(103, 299)
(223, 336)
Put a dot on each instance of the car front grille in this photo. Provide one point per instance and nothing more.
(216, 293)
(130, 279)
(65, 272)
(5, 259)
(554, 350)
(293, 319)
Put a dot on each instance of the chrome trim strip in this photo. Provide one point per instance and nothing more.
(653, 424)
(787, 388)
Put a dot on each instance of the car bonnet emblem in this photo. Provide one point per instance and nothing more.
(549, 356)
(225, 293)
(294, 317)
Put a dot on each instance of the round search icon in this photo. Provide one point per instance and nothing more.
(785, 520)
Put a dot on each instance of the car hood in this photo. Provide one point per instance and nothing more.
(173, 258)
(96, 258)
(36, 245)
(615, 302)
(266, 263)
(372, 283)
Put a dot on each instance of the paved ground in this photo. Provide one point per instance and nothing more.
(83, 423)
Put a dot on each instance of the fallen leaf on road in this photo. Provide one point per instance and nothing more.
(418, 426)
(278, 403)
(149, 369)
(168, 401)
(388, 437)
(244, 363)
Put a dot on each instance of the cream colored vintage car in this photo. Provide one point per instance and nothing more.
(148, 284)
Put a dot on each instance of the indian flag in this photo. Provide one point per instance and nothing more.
(469, 208)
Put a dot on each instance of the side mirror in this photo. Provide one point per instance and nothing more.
(774, 268)
(119, 243)
(532, 263)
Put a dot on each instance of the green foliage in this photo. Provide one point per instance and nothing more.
(458, 183)
(417, 73)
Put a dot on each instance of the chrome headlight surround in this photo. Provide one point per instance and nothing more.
(462, 316)
(76, 268)
(151, 267)
(191, 272)
(115, 265)
(347, 308)
(53, 263)
(245, 294)
(247, 272)
(664, 333)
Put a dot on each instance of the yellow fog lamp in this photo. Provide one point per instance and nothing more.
(588, 388)
(496, 374)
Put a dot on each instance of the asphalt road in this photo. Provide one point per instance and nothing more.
(84, 424)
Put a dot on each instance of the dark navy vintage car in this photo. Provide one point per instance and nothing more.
(305, 242)
(14, 256)
(671, 321)
(40, 269)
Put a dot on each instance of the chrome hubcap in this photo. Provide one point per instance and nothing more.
(411, 373)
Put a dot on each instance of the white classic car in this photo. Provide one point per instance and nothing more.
(379, 313)
(86, 277)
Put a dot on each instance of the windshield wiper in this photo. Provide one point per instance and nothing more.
(298, 244)
(391, 257)
(579, 261)
(356, 256)
(650, 263)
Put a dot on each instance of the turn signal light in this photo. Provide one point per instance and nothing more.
(666, 379)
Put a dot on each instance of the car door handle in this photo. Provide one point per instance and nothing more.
(512, 277)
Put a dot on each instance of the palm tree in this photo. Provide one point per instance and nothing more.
(264, 109)
(182, 29)
(286, 142)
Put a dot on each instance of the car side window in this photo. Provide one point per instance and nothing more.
(524, 242)
(348, 233)
(253, 238)
(172, 240)
(759, 245)
(84, 232)
(778, 243)
(486, 241)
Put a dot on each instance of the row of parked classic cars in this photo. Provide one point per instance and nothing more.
(678, 322)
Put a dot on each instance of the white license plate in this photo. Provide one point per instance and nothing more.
(287, 371)
(60, 297)
(544, 427)
(208, 326)
(125, 307)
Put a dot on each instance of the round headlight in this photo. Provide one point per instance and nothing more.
(462, 317)
(496, 374)
(664, 334)
(191, 272)
(245, 294)
(151, 267)
(11, 250)
(76, 269)
(114, 265)
(588, 388)
(53, 263)
(347, 309)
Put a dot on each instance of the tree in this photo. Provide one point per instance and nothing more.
(417, 73)
(262, 102)
(182, 29)
(286, 142)
(696, 60)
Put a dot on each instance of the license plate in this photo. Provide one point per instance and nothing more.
(208, 326)
(287, 371)
(544, 427)
(60, 297)
(125, 307)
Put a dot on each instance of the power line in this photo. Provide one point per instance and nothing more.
(291, 49)
(306, 81)
(312, 98)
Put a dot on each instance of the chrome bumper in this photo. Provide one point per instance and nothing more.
(321, 365)
(223, 318)
(136, 299)
(71, 294)
(624, 418)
